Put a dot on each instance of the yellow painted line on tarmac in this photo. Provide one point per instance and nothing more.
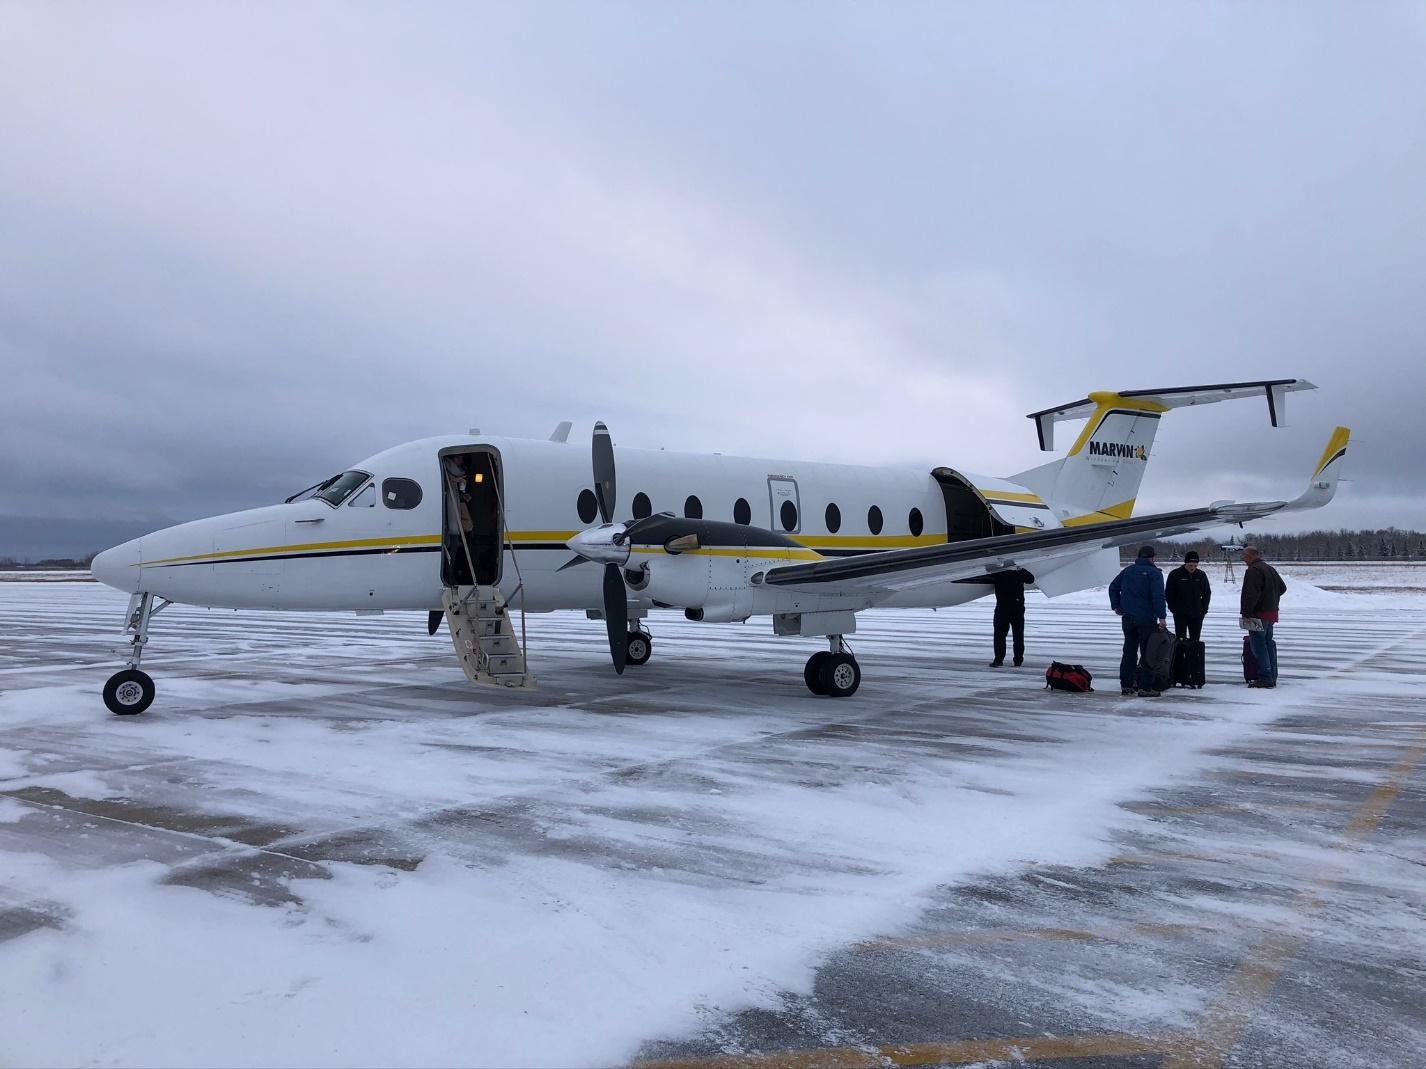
(1255, 977)
(956, 1052)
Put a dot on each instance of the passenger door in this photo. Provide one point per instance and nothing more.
(784, 507)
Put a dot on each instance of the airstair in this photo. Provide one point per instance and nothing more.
(485, 638)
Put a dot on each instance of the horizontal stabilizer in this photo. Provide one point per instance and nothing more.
(1275, 391)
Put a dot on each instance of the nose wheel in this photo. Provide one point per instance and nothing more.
(128, 692)
(131, 691)
(640, 647)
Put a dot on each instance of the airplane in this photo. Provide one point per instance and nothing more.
(468, 527)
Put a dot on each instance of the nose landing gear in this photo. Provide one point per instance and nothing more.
(130, 690)
(640, 647)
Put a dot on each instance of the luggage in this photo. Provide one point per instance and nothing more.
(1250, 661)
(1071, 677)
(1188, 664)
(1159, 658)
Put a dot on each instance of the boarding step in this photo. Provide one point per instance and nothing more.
(484, 637)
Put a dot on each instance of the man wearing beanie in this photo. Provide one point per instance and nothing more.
(1137, 595)
(1187, 592)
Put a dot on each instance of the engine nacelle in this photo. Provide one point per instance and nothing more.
(724, 585)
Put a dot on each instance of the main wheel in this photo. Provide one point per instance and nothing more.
(812, 673)
(840, 676)
(128, 692)
(640, 647)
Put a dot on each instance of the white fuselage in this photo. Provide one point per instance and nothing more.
(365, 555)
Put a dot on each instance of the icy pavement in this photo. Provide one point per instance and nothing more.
(320, 846)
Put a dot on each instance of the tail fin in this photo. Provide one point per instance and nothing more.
(1098, 479)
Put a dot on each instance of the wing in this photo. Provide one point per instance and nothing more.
(904, 569)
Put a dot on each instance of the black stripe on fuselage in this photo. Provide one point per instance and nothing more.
(1018, 504)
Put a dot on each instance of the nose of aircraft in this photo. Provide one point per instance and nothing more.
(118, 567)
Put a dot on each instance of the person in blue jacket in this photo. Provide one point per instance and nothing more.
(1137, 595)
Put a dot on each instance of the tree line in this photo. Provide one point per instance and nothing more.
(49, 564)
(1379, 544)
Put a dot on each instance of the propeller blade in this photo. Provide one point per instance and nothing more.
(605, 489)
(616, 616)
(433, 621)
(572, 562)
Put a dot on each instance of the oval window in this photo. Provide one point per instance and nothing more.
(400, 493)
(914, 522)
(788, 515)
(693, 508)
(742, 512)
(834, 519)
(642, 505)
(588, 506)
(873, 520)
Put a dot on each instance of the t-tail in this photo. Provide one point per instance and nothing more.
(1098, 479)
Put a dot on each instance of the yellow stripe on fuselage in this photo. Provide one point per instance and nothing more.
(809, 545)
(355, 543)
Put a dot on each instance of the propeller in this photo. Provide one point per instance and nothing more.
(604, 485)
(616, 605)
(433, 621)
(616, 616)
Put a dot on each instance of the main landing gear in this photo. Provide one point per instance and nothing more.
(131, 691)
(640, 647)
(833, 672)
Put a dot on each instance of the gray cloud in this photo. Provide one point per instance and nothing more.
(243, 247)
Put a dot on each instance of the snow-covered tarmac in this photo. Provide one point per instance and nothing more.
(322, 847)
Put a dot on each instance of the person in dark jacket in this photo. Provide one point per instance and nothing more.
(1187, 592)
(1010, 613)
(1137, 595)
(1262, 589)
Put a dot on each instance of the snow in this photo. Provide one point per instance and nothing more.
(564, 876)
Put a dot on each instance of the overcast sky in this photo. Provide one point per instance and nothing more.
(244, 245)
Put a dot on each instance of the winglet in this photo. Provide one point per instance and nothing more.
(1323, 486)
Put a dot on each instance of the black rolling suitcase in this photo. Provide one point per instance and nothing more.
(1188, 664)
(1250, 661)
(1159, 659)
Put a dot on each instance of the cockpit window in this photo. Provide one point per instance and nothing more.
(365, 499)
(337, 489)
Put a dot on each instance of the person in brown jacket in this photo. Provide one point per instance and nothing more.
(1262, 589)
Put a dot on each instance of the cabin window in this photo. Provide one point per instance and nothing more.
(365, 499)
(788, 515)
(588, 506)
(834, 519)
(742, 512)
(914, 521)
(400, 493)
(642, 505)
(338, 488)
(873, 520)
(693, 508)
